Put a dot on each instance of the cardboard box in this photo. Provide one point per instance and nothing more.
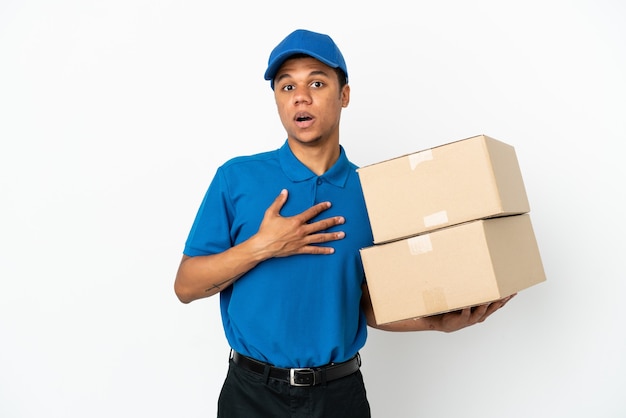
(474, 178)
(452, 268)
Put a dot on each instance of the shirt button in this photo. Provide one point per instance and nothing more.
(319, 181)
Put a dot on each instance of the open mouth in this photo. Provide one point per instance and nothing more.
(303, 117)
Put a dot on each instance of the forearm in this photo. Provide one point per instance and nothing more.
(204, 276)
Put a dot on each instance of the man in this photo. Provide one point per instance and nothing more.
(278, 237)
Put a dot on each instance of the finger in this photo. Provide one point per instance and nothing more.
(309, 243)
(315, 249)
(313, 211)
(325, 237)
(324, 224)
(278, 203)
(494, 306)
(478, 312)
(318, 239)
(508, 298)
(465, 313)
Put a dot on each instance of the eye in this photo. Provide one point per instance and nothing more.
(317, 84)
(288, 87)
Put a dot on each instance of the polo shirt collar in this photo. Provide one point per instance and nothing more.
(337, 175)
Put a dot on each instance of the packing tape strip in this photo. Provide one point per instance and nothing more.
(419, 244)
(420, 157)
(437, 218)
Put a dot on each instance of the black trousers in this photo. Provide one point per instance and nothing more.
(246, 394)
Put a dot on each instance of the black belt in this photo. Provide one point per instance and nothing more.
(307, 376)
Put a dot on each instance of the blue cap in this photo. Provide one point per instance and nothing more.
(317, 45)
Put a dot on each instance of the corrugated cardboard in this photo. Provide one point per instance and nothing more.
(451, 268)
(474, 178)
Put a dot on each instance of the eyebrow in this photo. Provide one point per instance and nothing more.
(312, 73)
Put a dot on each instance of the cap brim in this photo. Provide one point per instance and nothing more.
(272, 69)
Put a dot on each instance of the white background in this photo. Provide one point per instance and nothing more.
(115, 114)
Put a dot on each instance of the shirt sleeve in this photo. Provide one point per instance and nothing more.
(210, 232)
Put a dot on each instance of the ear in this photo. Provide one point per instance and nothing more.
(345, 95)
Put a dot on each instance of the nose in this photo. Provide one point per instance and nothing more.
(302, 97)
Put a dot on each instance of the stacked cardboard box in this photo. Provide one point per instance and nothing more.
(451, 229)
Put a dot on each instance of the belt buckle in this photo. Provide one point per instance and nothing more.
(307, 380)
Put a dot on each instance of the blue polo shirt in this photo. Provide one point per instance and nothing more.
(297, 311)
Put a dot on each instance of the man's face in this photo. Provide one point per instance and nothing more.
(309, 100)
